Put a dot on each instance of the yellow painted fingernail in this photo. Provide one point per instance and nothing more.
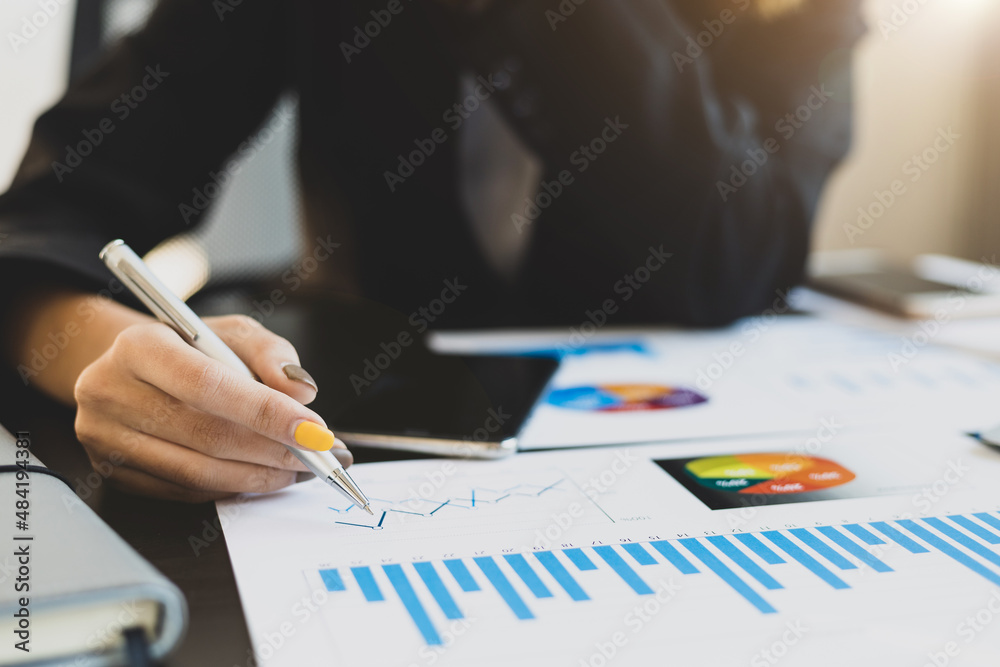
(313, 436)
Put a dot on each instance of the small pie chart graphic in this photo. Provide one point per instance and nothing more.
(624, 397)
(768, 474)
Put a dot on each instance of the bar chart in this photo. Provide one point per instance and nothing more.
(755, 566)
(550, 558)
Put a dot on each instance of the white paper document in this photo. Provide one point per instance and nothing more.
(764, 375)
(839, 547)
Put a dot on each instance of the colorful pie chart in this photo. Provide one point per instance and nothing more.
(769, 474)
(624, 397)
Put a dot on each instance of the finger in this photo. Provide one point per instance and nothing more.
(166, 418)
(193, 470)
(156, 355)
(272, 358)
(142, 483)
(343, 454)
(220, 438)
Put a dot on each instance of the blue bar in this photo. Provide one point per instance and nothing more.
(756, 571)
(949, 550)
(367, 583)
(855, 550)
(805, 559)
(412, 603)
(462, 575)
(975, 528)
(845, 383)
(865, 536)
(562, 576)
(506, 591)
(580, 559)
(964, 540)
(438, 590)
(823, 549)
(759, 548)
(641, 556)
(528, 576)
(898, 538)
(727, 575)
(624, 570)
(988, 518)
(668, 551)
(332, 581)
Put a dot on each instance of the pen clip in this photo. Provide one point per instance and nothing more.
(154, 304)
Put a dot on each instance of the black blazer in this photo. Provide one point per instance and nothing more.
(671, 129)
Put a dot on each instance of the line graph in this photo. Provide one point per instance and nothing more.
(474, 498)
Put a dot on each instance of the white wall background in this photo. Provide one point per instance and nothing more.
(933, 73)
(32, 75)
(253, 229)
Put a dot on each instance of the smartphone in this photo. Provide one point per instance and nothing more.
(903, 292)
(469, 406)
(381, 386)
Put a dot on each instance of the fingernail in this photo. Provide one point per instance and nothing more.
(313, 436)
(296, 373)
(344, 456)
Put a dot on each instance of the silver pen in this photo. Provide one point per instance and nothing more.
(129, 268)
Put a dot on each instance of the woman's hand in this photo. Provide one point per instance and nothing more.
(174, 424)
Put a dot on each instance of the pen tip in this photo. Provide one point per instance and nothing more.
(369, 510)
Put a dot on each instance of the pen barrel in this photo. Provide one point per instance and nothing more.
(129, 268)
(326, 466)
